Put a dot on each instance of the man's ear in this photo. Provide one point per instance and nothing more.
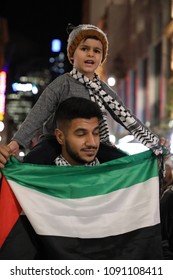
(59, 136)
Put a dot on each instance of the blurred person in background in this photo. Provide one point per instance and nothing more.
(166, 212)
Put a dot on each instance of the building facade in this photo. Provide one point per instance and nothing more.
(140, 55)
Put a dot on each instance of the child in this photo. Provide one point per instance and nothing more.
(87, 49)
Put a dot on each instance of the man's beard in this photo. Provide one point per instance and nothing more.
(75, 156)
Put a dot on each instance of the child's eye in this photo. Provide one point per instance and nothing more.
(84, 49)
(97, 51)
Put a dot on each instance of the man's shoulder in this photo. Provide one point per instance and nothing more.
(44, 152)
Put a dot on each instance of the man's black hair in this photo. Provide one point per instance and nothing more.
(77, 107)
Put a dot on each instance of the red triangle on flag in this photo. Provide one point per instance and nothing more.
(9, 210)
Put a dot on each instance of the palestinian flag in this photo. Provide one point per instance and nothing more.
(109, 211)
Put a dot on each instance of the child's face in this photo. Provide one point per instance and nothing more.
(88, 56)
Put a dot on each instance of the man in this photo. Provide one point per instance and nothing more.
(77, 135)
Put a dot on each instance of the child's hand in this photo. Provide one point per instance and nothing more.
(14, 148)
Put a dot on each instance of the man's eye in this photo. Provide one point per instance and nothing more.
(80, 134)
(96, 132)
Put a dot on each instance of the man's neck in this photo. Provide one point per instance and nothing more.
(61, 161)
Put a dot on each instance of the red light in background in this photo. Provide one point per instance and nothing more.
(3, 76)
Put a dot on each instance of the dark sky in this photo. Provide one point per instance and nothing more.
(31, 29)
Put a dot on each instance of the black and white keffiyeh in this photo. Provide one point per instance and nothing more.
(94, 88)
(97, 94)
(61, 161)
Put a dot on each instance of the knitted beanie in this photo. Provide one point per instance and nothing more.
(82, 31)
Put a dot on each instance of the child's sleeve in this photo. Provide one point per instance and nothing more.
(41, 111)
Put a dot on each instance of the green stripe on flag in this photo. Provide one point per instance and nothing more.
(84, 181)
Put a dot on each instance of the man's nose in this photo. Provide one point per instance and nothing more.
(91, 140)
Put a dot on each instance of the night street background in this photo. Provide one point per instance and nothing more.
(31, 29)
